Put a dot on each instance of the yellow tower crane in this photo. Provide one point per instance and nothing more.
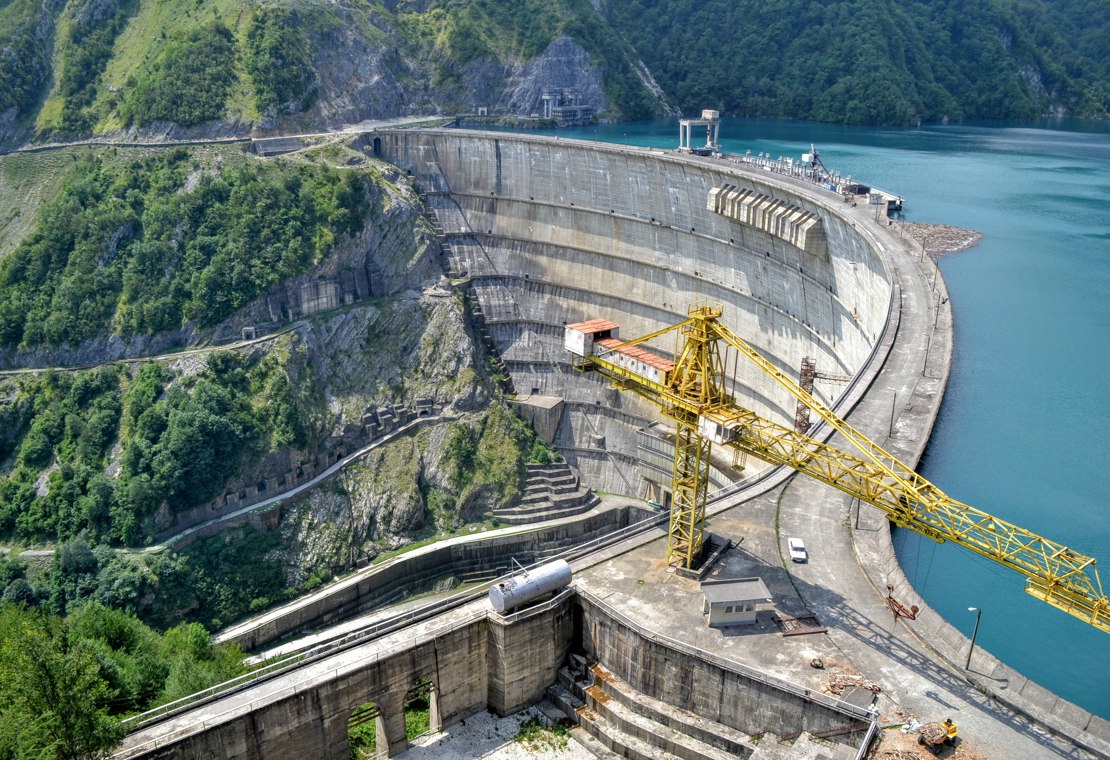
(691, 390)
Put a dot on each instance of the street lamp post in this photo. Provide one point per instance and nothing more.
(978, 616)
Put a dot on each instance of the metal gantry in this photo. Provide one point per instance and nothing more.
(695, 396)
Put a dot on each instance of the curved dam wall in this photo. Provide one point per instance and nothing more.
(550, 231)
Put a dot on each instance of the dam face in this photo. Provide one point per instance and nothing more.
(548, 232)
(544, 232)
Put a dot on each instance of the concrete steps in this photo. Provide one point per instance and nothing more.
(627, 732)
(551, 492)
(804, 747)
(617, 721)
(592, 745)
(677, 732)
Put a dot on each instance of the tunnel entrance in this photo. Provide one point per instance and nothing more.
(421, 710)
(377, 147)
(363, 729)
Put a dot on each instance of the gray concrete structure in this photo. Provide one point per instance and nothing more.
(549, 232)
(474, 659)
(545, 232)
(468, 559)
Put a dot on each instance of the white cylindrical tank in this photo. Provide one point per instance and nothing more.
(518, 590)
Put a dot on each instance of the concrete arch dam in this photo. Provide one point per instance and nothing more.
(546, 232)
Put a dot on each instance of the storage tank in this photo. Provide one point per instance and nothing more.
(529, 585)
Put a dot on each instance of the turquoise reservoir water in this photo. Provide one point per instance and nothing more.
(1025, 425)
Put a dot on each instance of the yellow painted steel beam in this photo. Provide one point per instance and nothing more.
(1056, 574)
(686, 529)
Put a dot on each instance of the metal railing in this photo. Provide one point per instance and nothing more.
(832, 703)
(318, 652)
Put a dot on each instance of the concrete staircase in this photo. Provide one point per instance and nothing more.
(551, 492)
(616, 721)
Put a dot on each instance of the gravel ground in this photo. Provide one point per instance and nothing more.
(491, 738)
(940, 239)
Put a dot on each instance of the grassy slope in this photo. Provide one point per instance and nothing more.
(156, 23)
(30, 180)
(27, 181)
(51, 111)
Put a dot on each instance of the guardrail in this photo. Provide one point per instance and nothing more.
(847, 708)
(318, 652)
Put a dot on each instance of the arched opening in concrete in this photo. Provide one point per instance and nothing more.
(421, 709)
(365, 729)
(378, 147)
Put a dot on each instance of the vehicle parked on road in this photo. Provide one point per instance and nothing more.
(797, 549)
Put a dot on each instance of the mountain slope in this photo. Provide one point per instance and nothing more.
(71, 68)
(875, 61)
(162, 67)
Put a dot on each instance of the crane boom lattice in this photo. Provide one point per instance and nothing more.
(692, 391)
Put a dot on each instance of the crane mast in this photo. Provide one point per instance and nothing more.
(692, 391)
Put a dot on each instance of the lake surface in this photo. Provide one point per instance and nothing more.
(1024, 429)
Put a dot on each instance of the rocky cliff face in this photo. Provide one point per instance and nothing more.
(25, 71)
(565, 65)
(370, 329)
(360, 81)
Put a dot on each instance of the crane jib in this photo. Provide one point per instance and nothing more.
(691, 390)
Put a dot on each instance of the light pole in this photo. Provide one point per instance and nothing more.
(978, 616)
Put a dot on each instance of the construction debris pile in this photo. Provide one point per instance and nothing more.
(838, 682)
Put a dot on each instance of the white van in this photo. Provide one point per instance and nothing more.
(797, 550)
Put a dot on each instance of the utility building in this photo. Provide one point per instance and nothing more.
(734, 602)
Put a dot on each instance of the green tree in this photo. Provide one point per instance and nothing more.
(190, 81)
(278, 61)
(54, 702)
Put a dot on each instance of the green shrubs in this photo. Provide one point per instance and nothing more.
(161, 242)
(188, 83)
(278, 61)
(180, 440)
(24, 56)
(85, 53)
(65, 682)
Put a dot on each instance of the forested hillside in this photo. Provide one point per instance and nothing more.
(111, 247)
(876, 61)
(71, 69)
(151, 245)
(79, 67)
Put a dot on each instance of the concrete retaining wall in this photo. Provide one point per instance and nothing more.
(480, 660)
(471, 559)
(708, 685)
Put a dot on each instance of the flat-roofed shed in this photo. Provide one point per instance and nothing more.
(734, 602)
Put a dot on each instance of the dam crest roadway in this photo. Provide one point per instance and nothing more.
(543, 232)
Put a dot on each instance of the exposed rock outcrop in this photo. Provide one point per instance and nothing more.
(361, 81)
(565, 65)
